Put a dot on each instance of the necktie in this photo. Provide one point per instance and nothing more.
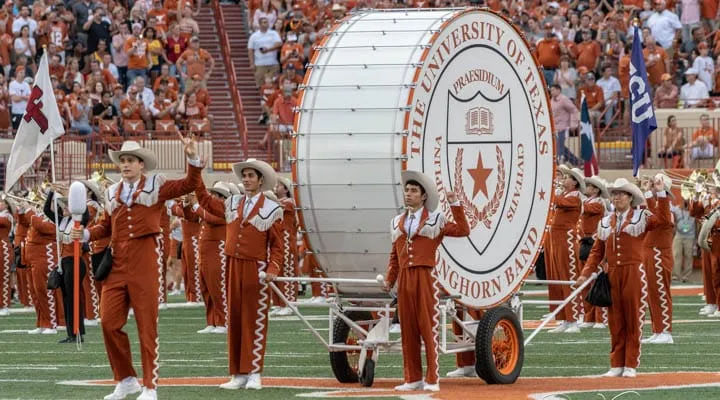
(248, 207)
(412, 219)
(130, 193)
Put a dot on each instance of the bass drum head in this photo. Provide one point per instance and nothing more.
(453, 93)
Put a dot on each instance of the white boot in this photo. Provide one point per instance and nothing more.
(586, 325)
(283, 312)
(560, 328)
(431, 388)
(220, 329)
(651, 339)
(236, 382)
(572, 328)
(406, 387)
(129, 385)
(663, 338)
(614, 373)
(148, 394)
(49, 331)
(36, 331)
(254, 382)
(4, 312)
(207, 329)
(629, 373)
(462, 372)
(599, 325)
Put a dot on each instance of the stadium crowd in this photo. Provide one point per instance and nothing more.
(116, 66)
(583, 46)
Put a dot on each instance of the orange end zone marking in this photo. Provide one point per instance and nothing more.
(463, 389)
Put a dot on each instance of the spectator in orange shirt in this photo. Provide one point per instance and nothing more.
(194, 59)
(667, 94)
(548, 51)
(170, 94)
(291, 53)
(161, 16)
(164, 109)
(704, 141)
(587, 53)
(292, 75)
(267, 92)
(594, 97)
(132, 108)
(197, 85)
(139, 57)
(55, 68)
(656, 61)
(172, 82)
(282, 114)
(190, 109)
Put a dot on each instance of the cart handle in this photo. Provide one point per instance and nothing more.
(378, 280)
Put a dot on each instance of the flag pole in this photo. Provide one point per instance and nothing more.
(636, 25)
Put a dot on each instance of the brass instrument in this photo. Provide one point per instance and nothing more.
(100, 178)
(707, 227)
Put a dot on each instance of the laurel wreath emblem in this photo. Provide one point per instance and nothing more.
(473, 214)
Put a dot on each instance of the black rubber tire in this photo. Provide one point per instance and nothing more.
(343, 371)
(368, 375)
(485, 365)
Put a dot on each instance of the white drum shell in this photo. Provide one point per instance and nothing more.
(352, 142)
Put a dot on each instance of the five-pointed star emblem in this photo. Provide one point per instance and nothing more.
(541, 193)
(480, 175)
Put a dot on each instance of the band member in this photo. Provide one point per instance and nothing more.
(416, 235)
(41, 255)
(659, 263)
(133, 208)
(7, 210)
(253, 244)
(562, 253)
(619, 241)
(290, 228)
(213, 262)
(67, 254)
(700, 207)
(91, 287)
(23, 271)
(593, 211)
(190, 250)
(165, 226)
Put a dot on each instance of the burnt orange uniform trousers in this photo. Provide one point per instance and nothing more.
(699, 211)
(659, 262)
(562, 254)
(418, 296)
(466, 359)
(6, 258)
(290, 254)
(626, 315)
(41, 254)
(134, 281)
(213, 267)
(24, 284)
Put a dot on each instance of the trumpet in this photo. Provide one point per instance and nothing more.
(698, 177)
(99, 177)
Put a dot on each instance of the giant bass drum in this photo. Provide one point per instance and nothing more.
(455, 93)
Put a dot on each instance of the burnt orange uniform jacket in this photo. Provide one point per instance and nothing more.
(620, 241)
(412, 264)
(253, 244)
(699, 209)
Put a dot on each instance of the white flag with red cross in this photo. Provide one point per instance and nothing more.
(40, 125)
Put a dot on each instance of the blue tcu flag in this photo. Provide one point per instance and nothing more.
(643, 120)
(587, 137)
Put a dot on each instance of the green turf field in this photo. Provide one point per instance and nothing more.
(32, 366)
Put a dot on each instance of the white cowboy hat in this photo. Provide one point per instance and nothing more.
(221, 188)
(287, 183)
(622, 185)
(667, 183)
(433, 198)
(337, 7)
(12, 205)
(133, 148)
(239, 187)
(576, 174)
(93, 187)
(599, 183)
(234, 189)
(270, 195)
(268, 173)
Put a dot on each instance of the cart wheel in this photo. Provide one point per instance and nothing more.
(499, 348)
(368, 375)
(345, 364)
